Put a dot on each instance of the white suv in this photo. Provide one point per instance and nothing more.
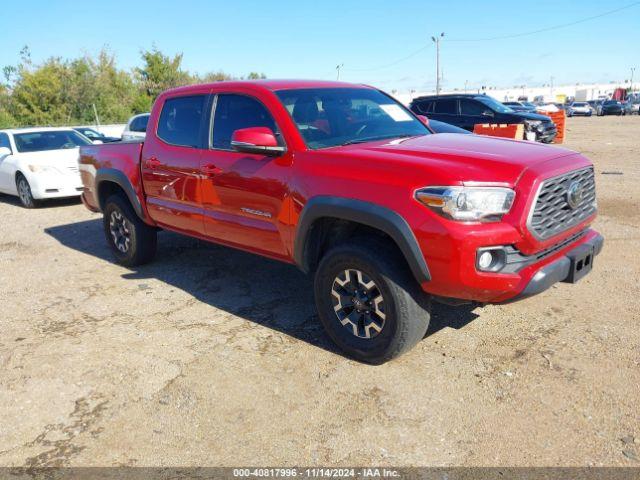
(40, 163)
(136, 129)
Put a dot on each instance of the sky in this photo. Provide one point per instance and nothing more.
(384, 43)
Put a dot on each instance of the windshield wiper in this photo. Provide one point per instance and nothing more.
(373, 139)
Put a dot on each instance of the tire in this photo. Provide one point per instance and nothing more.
(391, 290)
(24, 192)
(132, 241)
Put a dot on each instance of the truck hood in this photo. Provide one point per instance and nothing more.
(462, 158)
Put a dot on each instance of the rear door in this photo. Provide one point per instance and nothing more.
(446, 110)
(171, 163)
(244, 194)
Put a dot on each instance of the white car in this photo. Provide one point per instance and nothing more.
(579, 108)
(136, 129)
(40, 163)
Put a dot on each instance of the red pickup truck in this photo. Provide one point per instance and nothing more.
(351, 186)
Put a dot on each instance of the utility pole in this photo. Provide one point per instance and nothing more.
(633, 69)
(95, 112)
(436, 40)
(465, 85)
(338, 67)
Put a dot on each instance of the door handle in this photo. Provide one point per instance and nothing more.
(210, 170)
(152, 162)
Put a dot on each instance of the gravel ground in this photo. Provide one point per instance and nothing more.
(210, 356)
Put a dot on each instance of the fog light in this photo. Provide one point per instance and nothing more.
(485, 260)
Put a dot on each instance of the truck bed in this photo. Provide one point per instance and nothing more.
(111, 159)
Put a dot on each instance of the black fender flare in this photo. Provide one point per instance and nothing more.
(119, 178)
(366, 213)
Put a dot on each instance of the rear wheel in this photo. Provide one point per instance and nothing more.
(368, 302)
(132, 241)
(24, 192)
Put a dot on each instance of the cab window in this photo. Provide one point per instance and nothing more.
(234, 112)
(181, 121)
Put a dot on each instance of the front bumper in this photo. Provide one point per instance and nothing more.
(56, 186)
(455, 275)
(559, 270)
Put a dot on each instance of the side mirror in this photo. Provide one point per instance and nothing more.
(423, 119)
(487, 113)
(258, 140)
(4, 152)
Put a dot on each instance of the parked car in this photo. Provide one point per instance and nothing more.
(136, 128)
(467, 110)
(96, 136)
(520, 106)
(579, 108)
(349, 185)
(628, 107)
(40, 163)
(610, 107)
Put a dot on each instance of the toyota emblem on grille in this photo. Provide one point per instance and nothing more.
(575, 194)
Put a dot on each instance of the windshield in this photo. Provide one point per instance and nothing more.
(579, 104)
(89, 133)
(53, 140)
(328, 117)
(493, 104)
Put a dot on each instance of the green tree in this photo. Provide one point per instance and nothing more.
(161, 72)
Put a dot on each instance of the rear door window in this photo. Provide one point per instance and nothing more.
(447, 106)
(424, 107)
(180, 121)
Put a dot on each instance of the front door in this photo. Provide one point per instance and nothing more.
(171, 164)
(471, 113)
(245, 195)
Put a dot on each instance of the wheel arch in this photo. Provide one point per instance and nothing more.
(308, 241)
(109, 181)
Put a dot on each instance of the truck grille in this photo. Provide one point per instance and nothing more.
(562, 203)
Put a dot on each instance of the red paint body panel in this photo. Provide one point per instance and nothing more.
(253, 202)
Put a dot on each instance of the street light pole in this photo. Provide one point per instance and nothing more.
(338, 67)
(436, 40)
(633, 69)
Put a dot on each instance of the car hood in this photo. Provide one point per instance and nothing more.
(454, 157)
(531, 116)
(67, 157)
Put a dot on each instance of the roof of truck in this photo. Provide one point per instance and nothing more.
(273, 85)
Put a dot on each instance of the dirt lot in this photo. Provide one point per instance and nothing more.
(210, 356)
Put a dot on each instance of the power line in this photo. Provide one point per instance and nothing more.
(547, 29)
(502, 37)
(411, 55)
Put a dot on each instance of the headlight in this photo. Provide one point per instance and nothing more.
(468, 204)
(42, 169)
(532, 124)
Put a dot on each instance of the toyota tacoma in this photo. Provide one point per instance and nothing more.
(352, 187)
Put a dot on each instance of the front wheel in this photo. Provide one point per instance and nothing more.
(368, 302)
(132, 241)
(24, 192)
